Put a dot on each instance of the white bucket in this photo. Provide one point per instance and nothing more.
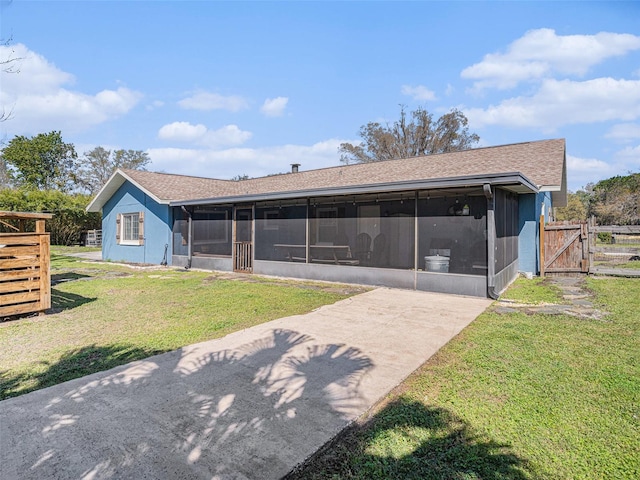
(436, 263)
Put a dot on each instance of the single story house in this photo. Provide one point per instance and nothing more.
(461, 222)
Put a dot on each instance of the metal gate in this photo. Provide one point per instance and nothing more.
(243, 241)
(565, 248)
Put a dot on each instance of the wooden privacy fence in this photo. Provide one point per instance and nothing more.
(573, 247)
(565, 248)
(25, 277)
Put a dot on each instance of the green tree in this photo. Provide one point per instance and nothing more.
(6, 180)
(577, 207)
(98, 165)
(43, 162)
(413, 134)
(616, 200)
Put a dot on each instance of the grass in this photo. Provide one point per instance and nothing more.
(533, 291)
(104, 315)
(514, 396)
(66, 250)
(630, 265)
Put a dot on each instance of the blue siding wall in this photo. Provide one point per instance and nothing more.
(157, 227)
(529, 233)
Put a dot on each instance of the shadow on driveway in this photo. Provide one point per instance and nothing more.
(189, 413)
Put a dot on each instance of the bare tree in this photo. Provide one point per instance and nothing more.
(240, 177)
(410, 137)
(99, 164)
(8, 65)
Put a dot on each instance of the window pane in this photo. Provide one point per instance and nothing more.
(281, 233)
(365, 233)
(130, 224)
(212, 230)
(454, 227)
(506, 208)
(211, 233)
(180, 232)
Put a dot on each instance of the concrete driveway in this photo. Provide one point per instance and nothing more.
(251, 405)
(91, 255)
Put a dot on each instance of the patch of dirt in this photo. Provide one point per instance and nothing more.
(341, 289)
(577, 301)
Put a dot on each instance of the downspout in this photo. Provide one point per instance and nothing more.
(491, 242)
(188, 266)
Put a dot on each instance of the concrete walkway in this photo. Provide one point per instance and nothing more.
(92, 255)
(251, 405)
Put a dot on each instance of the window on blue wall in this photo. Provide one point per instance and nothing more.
(130, 228)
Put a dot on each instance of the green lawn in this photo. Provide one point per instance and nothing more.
(629, 265)
(106, 315)
(514, 396)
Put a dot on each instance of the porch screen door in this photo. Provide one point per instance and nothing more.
(243, 242)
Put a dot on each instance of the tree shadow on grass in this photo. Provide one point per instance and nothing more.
(445, 447)
(73, 364)
(61, 301)
(64, 277)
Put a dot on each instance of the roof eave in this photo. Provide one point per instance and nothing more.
(513, 178)
(111, 187)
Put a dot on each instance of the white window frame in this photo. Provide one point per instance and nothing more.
(135, 220)
(271, 220)
(327, 220)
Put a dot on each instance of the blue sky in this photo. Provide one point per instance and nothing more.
(219, 89)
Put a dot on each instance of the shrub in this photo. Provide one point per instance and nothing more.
(605, 237)
(69, 215)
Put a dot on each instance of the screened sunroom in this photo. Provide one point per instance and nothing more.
(434, 239)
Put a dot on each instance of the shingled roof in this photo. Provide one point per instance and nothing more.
(539, 166)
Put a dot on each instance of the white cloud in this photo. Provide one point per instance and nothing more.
(155, 104)
(581, 171)
(624, 131)
(274, 107)
(629, 159)
(35, 93)
(213, 101)
(541, 53)
(450, 90)
(182, 132)
(31, 72)
(201, 135)
(419, 92)
(585, 164)
(564, 102)
(254, 162)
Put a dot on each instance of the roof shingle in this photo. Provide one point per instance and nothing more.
(542, 162)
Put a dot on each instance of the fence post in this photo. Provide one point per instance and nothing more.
(45, 273)
(592, 241)
(542, 246)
